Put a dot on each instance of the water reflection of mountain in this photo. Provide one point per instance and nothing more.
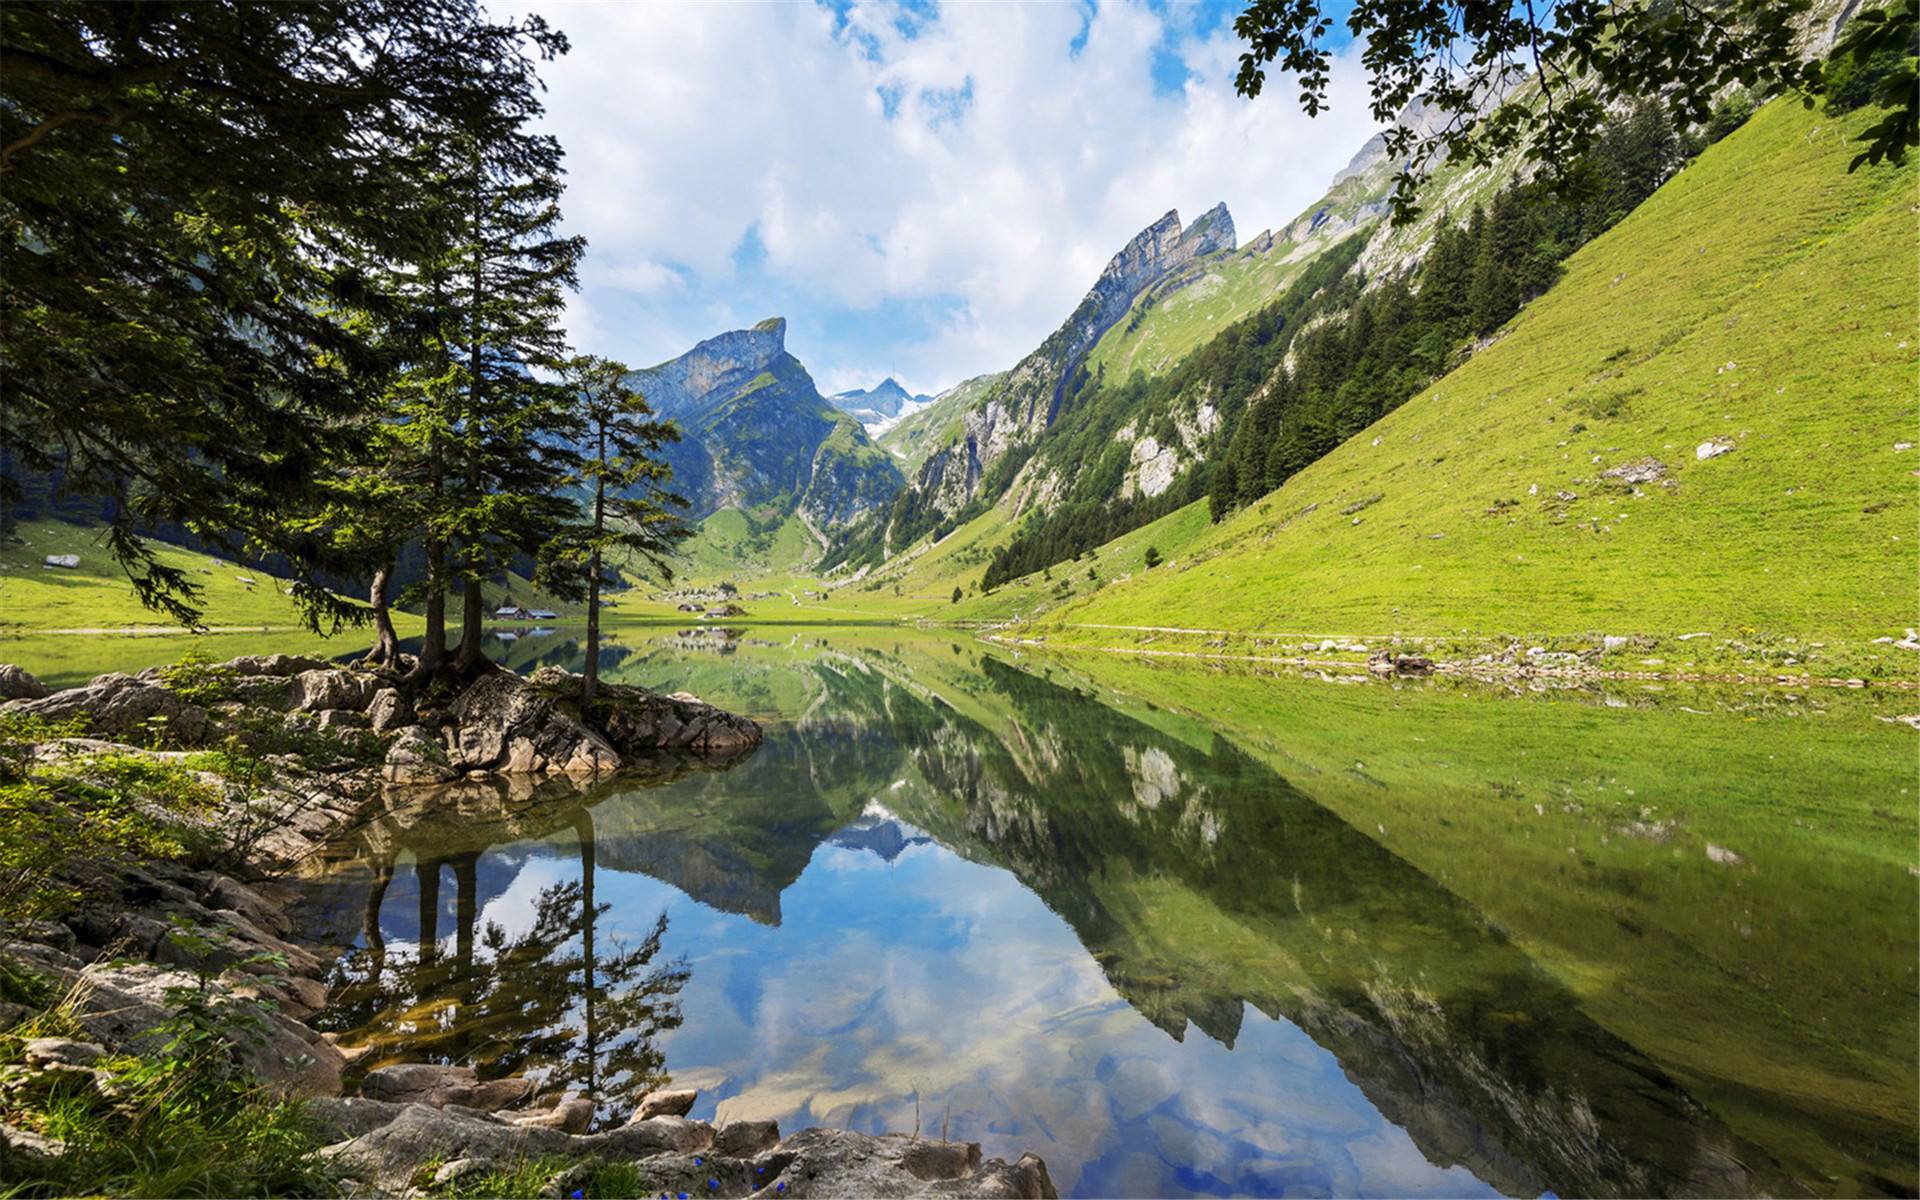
(1203, 882)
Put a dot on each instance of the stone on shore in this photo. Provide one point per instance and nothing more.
(333, 688)
(677, 1103)
(120, 706)
(417, 757)
(438, 1086)
(17, 684)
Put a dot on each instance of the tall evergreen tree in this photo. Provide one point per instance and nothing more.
(192, 194)
(629, 510)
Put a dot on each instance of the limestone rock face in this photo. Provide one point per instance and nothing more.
(120, 706)
(756, 431)
(275, 665)
(1161, 257)
(387, 711)
(18, 684)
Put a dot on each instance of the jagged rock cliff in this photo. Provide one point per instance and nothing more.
(1028, 397)
(755, 432)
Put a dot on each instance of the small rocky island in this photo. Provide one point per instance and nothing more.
(156, 938)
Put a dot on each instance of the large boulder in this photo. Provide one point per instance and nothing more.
(675, 1103)
(385, 1158)
(333, 688)
(17, 684)
(639, 723)
(416, 757)
(124, 1005)
(281, 665)
(439, 1086)
(388, 711)
(518, 726)
(120, 706)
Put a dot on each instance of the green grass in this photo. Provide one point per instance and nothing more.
(1764, 295)
(96, 595)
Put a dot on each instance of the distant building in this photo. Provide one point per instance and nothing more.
(512, 612)
(544, 614)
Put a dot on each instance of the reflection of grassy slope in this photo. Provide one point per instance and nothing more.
(1764, 295)
(1781, 976)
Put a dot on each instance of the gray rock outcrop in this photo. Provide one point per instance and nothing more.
(121, 706)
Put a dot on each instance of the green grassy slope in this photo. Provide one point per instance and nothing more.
(96, 594)
(734, 545)
(1764, 296)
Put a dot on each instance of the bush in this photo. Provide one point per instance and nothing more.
(1152, 557)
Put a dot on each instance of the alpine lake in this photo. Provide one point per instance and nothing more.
(1184, 929)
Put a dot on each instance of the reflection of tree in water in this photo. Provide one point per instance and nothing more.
(553, 1000)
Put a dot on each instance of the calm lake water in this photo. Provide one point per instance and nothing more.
(1181, 932)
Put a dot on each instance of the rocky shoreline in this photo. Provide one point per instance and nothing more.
(121, 966)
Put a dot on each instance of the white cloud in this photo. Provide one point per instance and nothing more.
(1008, 173)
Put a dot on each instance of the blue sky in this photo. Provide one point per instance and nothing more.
(921, 190)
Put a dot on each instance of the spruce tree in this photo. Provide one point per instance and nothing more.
(629, 513)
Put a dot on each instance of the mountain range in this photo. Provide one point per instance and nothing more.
(879, 407)
(758, 436)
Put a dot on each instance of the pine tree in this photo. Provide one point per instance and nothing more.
(194, 195)
(629, 511)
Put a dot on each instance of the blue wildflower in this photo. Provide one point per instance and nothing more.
(712, 1184)
(579, 1193)
(781, 1186)
(697, 1160)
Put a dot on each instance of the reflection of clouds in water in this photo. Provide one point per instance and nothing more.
(515, 907)
(944, 977)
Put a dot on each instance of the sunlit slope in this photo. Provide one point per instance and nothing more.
(1764, 296)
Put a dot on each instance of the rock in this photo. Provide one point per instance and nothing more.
(123, 1005)
(830, 1162)
(341, 718)
(387, 1157)
(43, 1052)
(745, 1139)
(23, 1152)
(66, 561)
(17, 684)
(282, 665)
(1386, 662)
(517, 726)
(262, 691)
(332, 687)
(665, 1104)
(458, 1169)
(387, 711)
(337, 1118)
(416, 757)
(439, 1086)
(1712, 448)
(120, 706)
(1640, 470)
(657, 1135)
(571, 1115)
(1724, 856)
(1611, 642)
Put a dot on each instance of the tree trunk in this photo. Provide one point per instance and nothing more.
(593, 577)
(386, 649)
(433, 640)
(472, 614)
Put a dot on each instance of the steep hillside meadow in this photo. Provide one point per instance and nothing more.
(1705, 426)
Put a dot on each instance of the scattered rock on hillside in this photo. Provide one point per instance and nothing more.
(18, 684)
(388, 711)
(1712, 448)
(1640, 470)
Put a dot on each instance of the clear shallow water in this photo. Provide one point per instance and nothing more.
(951, 893)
